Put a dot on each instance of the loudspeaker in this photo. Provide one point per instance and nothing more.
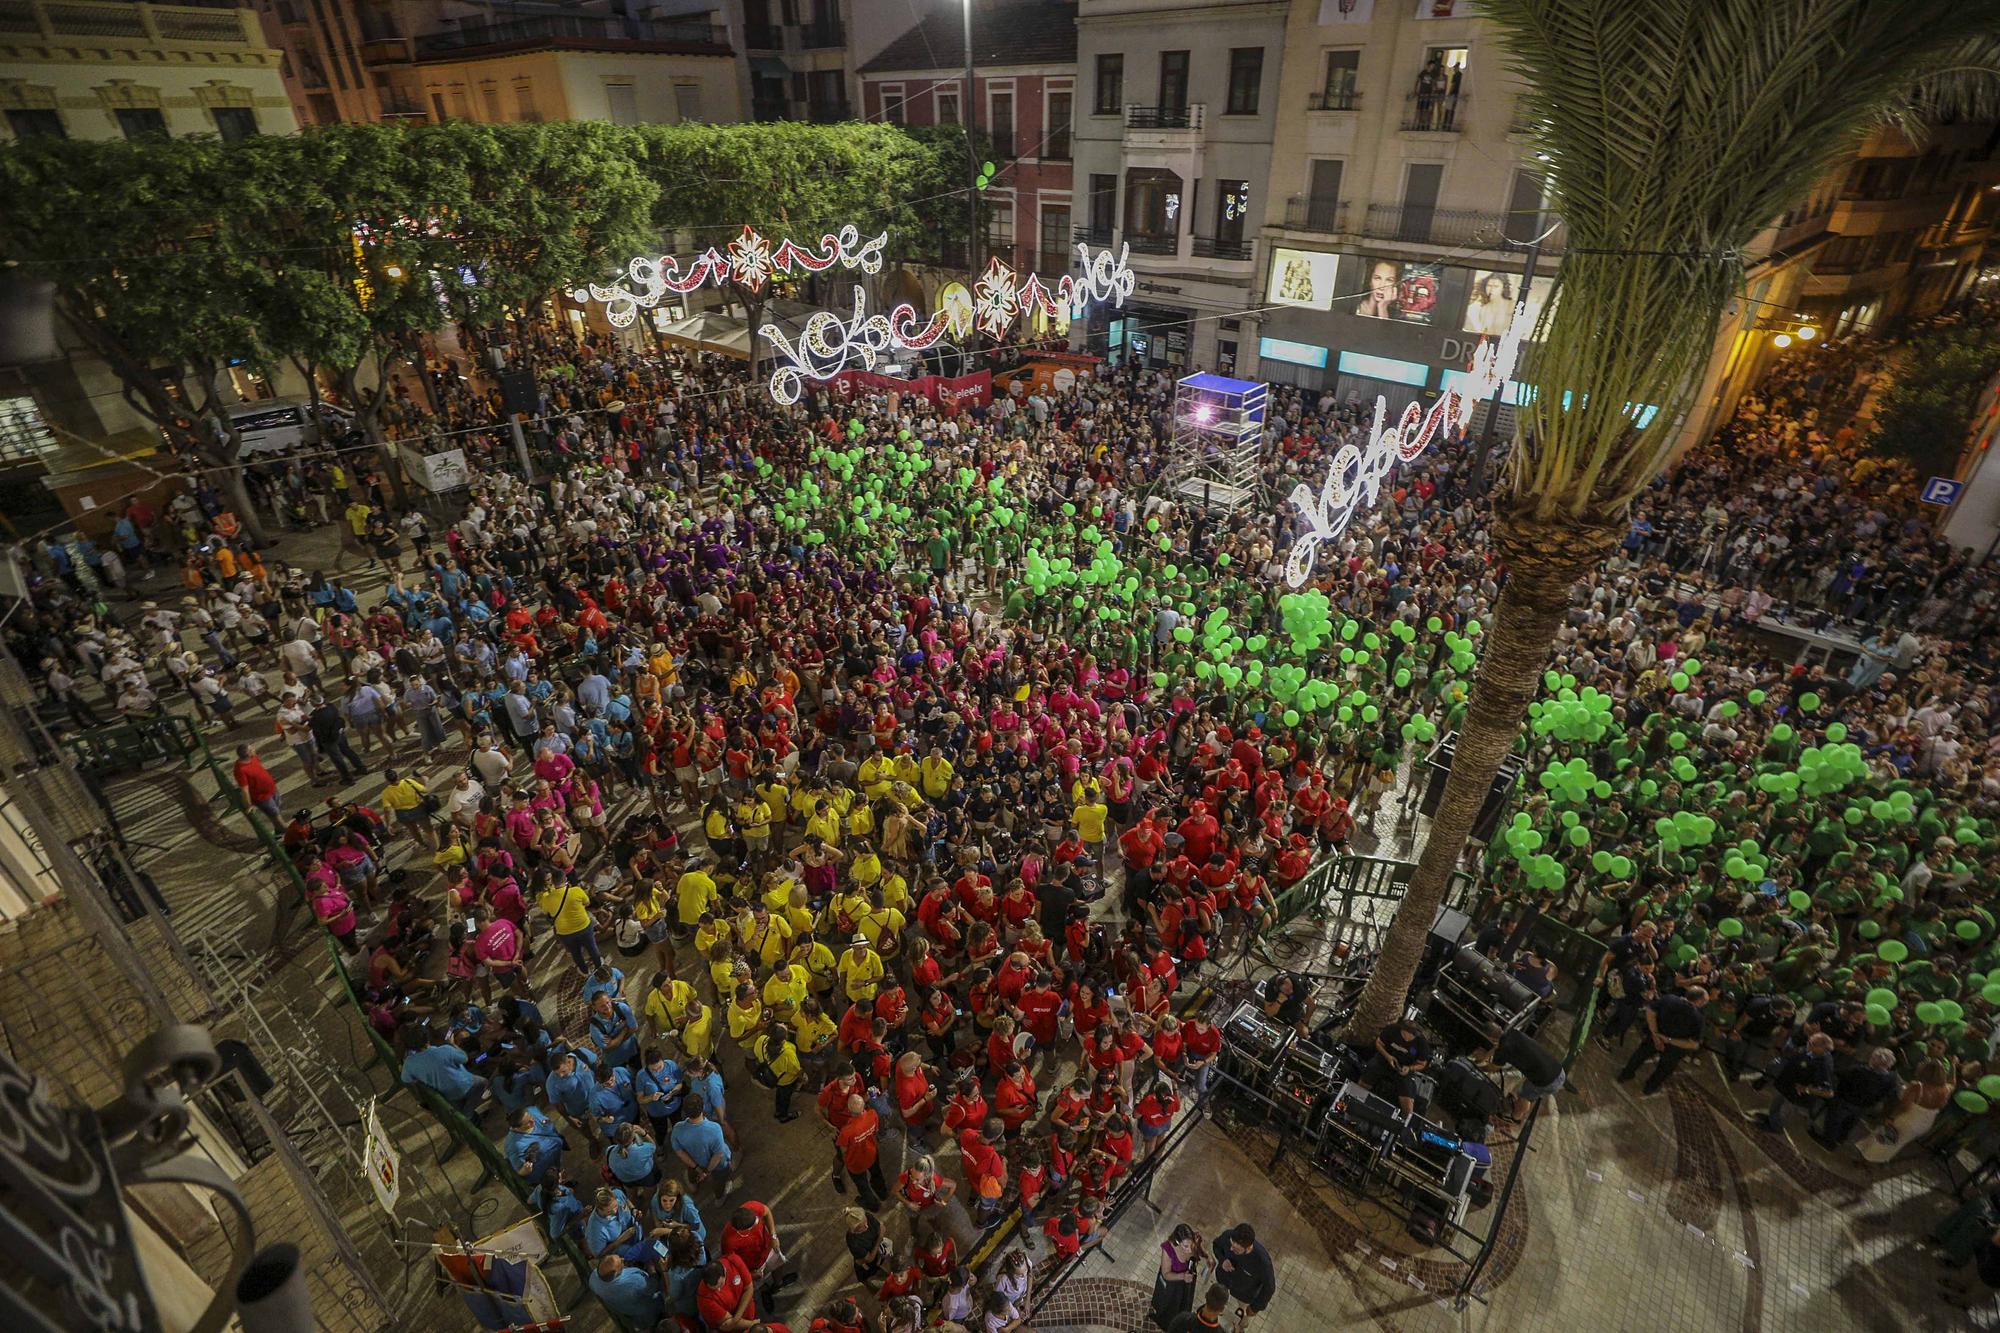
(1438, 761)
(518, 392)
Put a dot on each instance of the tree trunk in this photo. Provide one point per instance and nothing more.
(1543, 562)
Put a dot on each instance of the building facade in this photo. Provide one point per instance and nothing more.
(1178, 109)
(84, 69)
(798, 61)
(436, 60)
(1024, 104)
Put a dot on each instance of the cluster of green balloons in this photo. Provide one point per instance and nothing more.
(1829, 768)
(1684, 828)
(1573, 715)
(1573, 782)
(1745, 861)
(1898, 807)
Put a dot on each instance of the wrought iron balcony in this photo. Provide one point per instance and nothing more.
(1435, 113)
(1304, 212)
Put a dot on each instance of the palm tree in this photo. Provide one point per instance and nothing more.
(1674, 131)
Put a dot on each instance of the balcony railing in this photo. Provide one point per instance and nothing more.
(763, 37)
(396, 107)
(1056, 147)
(1094, 237)
(1153, 245)
(1334, 99)
(572, 28)
(1305, 213)
(1435, 113)
(1187, 117)
(1055, 263)
(815, 35)
(828, 113)
(1209, 247)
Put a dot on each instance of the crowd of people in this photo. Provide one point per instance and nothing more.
(753, 714)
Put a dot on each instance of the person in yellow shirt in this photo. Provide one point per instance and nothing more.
(783, 991)
(895, 891)
(804, 798)
(777, 794)
(935, 774)
(778, 1054)
(860, 970)
(667, 1004)
(746, 1013)
(815, 1034)
(753, 823)
(866, 867)
(884, 928)
(778, 890)
(842, 915)
(825, 822)
(722, 962)
(875, 775)
(765, 935)
(906, 769)
(698, 1032)
(1089, 818)
(568, 906)
(404, 797)
(861, 819)
(694, 893)
(816, 956)
(661, 664)
(649, 909)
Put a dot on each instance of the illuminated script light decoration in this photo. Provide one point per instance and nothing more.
(830, 343)
(1355, 477)
(750, 261)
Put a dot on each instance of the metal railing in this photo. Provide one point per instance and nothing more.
(1091, 236)
(1435, 113)
(1153, 245)
(1303, 212)
(1185, 117)
(1208, 247)
(575, 28)
(1334, 99)
(1431, 226)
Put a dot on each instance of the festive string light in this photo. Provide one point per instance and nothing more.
(1355, 477)
(751, 260)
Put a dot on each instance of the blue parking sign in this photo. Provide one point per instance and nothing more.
(1941, 491)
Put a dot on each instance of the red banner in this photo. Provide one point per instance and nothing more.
(951, 392)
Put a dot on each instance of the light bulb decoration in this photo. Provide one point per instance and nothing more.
(751, 260)
(1355, 477)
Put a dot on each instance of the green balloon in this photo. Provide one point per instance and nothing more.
(1878, 1016)
(1291, 717)
(1927, 1012)
(1868, 930)
(1679, 680)
(1799, 899)
(1967, 930)
(987, 167)
(1809, 702)
(1579, 837)
(1970, 1101)
(1894, 951)
(1730, 926)
(1883, 996)
(1989, 1086)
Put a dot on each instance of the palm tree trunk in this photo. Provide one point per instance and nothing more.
(1523, 626)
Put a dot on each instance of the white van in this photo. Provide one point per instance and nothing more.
(271, 424)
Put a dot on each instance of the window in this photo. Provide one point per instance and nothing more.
(489, 93)
(24, 436)
(1000, 230)
(1232, 205)
(142, 122)
(1103, 206)
(1323, 197)
(234, 123)
(524, 100)
(1527, 206)
(1342, 69)
(1173, 80)
(1110, 85)
(1434, 105)
(1152, 209)
(1420, 198)
(624, 103)
(40, 123)
(687, 102)
(1055, 238)
(894, 104)
(1056, 145)
(1000, 121)
(437, 108)
(1246, 79)
(947, 108)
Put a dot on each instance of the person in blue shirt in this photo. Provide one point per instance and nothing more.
(613, 1028)
(629, 1291)
(698, 1142)
(658, 1086)
(440, 1067)
(605, 980)
(704, 1081)
(631, 1158)
(521, 1083)
(534, 1146)
(469, 1019)
(611, 1225)
(555, 1199)
(683, 1256)
(594, 690)
(570, 1084)
(672, 1207)
(612, 1102)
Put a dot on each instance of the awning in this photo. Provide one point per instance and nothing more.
(771, 67)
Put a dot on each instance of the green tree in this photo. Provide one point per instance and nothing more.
(1673, 130)
(1927, 409)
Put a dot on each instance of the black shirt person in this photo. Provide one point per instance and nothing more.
(1206, 1316)
(1243, 1267)
(1541, 1072)
(1400, 1051)
(1674, 1026)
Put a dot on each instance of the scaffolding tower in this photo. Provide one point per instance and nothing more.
(1218, 434)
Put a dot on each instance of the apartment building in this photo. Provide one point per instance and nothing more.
(798, 60)
(1024, 103)
(435, 60)
(1178, 111)
(84, 69)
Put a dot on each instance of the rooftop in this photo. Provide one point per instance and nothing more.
(1024, 32)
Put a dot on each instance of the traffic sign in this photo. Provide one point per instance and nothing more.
(1941, 491)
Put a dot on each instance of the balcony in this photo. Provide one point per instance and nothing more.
(574, 32)
(402, 106)
(1208, 247)
(1325, 216)
(1052, 264)
(1434, 113)
(386, 50)
(829, 113)
(1165, 117)
(127, 26)
(1153, 245)
(1334, 99)
(1097, 238)
(1453, 226)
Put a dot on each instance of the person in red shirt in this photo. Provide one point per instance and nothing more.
(727, 1296)
(1014, 976)
(1203, 1042)
(1014, 1097)
(856, 1025)
(915, 1098)
(1041, 1008)
(258, 786)
(1063, 1232)
(1198, 833)
(1000, 1044)
(843, 1316)
(858, 1143)
(1156, 1113)
(751, 1234)
(892, 1006)
(985, 1169)
(966, 1106)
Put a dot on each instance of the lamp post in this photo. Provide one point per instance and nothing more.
(972, 193)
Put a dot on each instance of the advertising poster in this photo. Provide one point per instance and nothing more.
(1490, 298)
(1303, 278)
(1405, 292)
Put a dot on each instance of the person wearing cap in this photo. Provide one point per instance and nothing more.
(860, 970)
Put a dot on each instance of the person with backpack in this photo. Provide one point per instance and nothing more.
(775, 1064)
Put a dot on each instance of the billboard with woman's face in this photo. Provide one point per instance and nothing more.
(1490, 299)
(1406, 292)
